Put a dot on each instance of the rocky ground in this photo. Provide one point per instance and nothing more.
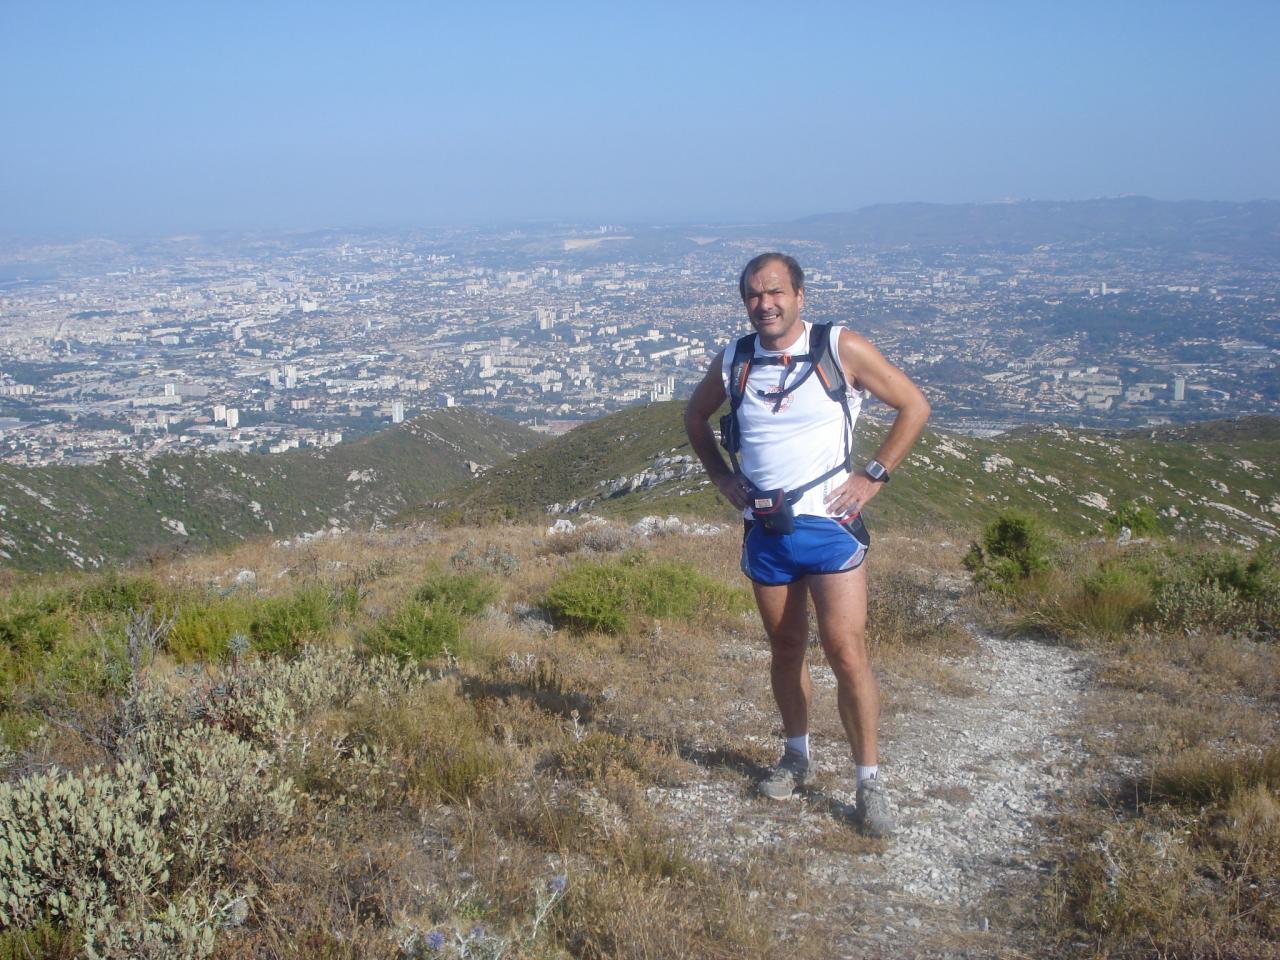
(972, 774)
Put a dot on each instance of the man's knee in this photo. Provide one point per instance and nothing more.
(847, 655)
(787, 652)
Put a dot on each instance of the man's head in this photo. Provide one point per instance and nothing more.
(755, 263)
(772, 288)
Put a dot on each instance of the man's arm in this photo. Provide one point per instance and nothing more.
(864, 365)
(707, 398)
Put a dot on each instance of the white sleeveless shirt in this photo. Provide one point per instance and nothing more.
(803, 439)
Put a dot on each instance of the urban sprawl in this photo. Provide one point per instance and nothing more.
(270, 343)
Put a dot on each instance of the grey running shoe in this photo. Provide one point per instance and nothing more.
(872, 812)
(790, 775)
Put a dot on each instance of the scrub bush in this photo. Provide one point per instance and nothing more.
(283, 625)
(113, 853)
(607, 596)
(431, 620)
(203, 625)
(1014, 547)
(1219, 589)
(415, 631)
(119, 594)
(1138, 517)
(466, 594)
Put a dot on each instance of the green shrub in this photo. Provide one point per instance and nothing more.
(32, 628)
(1014, 546)
(606, 596)
(431, 620)
(116, 593)
(202, 626)
(1114, 598)
(283, 625)
(588, 598)
(42, 645)
(1162, 585)
(1137, 516)
(466, 594)
(1219, 590)
(416, 631)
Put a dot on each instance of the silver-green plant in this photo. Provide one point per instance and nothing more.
(135, 856)
(89, 851)
(222, 790)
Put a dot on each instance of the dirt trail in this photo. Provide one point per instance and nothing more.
(970, 776)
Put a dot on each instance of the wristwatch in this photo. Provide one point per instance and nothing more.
(876, 471)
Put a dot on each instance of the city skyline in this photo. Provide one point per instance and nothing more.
(147, 119)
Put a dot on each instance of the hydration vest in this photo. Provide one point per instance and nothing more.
(824, 361)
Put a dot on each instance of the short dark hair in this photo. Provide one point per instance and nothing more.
(756, 264)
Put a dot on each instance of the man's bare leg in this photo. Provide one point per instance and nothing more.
(840, 600)
(785, 613)
(841, 603)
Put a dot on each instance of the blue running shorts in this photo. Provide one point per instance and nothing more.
(818, 545)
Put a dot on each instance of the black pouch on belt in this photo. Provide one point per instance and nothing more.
(772, 510)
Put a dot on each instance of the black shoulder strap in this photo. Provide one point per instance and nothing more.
(826, 354)
(740, 369)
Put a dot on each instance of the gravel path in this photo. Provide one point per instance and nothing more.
(969, 775)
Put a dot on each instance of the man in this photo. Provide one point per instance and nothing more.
(804, 533)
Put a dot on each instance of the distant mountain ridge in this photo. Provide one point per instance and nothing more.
(1216, 481)
(1183, 226)
(90, 516)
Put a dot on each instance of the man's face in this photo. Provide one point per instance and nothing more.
(773, 305)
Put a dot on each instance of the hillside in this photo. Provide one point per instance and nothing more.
(1214, 481)
(58, 517)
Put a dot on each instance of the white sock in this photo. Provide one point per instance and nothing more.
(866, 773)
(799, 745)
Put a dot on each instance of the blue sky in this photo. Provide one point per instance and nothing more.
(123, 118)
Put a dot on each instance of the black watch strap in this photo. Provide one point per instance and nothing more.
(876, 471)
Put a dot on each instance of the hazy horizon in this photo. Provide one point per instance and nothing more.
(146, 120)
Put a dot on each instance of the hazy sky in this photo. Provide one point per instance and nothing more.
(119, 117)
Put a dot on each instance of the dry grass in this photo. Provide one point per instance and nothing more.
(457, 804)
(536, 755)
(1183, 858)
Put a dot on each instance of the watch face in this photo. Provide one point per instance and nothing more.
(875, 470)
